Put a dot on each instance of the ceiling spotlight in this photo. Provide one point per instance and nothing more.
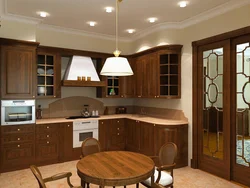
(109, 9)
(183, 4)
(130, 30)
(152, 20)
(43, 14)
(92, 24)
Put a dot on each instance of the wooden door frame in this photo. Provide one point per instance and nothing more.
(196, 44)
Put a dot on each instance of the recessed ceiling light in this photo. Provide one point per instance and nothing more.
(43, 14)
(131, 30)
(183, 4)
(92, 24)
(109, 9)
(152, 20)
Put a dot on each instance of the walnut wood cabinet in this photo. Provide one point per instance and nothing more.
(132, 135)
(48, 74)
(18, 69)
(17, 147)
(112, 134)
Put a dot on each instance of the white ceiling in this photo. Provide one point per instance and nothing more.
(133, 14)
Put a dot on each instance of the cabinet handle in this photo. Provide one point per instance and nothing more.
(18, 129)
(102, 122)
(33, 96)
(48, 142)
(18, 146)
(122, 96)
(154, 125)
(118, 134)
(47, 136)
(68, 125)
(118, 121)
(54, 96)
(155, 96)
(47, 127)
(118, 128)
(18, 138)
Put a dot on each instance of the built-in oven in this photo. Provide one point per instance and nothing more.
(83, 129)
(15, 112)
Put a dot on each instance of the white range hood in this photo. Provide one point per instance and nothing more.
(81, 66)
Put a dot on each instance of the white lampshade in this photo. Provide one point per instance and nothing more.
(116, 66)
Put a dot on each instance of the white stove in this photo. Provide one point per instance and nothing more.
(83, 129)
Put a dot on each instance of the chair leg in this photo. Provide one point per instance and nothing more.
(125, 186)
(87, 185)
(137, 185)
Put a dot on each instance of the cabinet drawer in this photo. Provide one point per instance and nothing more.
(18, 138)
(46, 128)
(17, 129)
(47, 136)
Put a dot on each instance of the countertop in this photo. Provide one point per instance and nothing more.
(138, 117)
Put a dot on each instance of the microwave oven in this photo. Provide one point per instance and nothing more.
(16, 112)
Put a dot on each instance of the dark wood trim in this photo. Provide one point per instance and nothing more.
(223, 36)
(175, 48)
(194, 159)
(76, 83)
(5, 41)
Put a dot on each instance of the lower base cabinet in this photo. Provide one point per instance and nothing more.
(40, 144)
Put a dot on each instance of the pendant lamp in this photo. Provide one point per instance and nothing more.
(116, 66)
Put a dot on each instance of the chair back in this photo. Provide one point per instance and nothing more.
(90, 146)
(167, 154)
(38, 176)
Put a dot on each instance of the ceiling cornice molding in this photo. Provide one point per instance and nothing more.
(233, 4)
(81, 32)
(219, 10)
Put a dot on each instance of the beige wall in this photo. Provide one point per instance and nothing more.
(232, 20)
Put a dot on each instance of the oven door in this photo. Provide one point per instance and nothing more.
(80, 135)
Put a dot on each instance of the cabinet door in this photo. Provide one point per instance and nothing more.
(116, 136)
(128, 82)
(47, 151)
(103, 133)
(139, 76)
(18, 71)
(132, 135)
(66, 140)
(16, 156)
(147, 138)
(153, 78)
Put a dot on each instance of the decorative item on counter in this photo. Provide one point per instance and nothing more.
(93, 113)
(39, 112)
(79, 78)
(112, 92)
(88, 78)
(96, 113)
(121, 110)
(83, 78)
(85, 112)
(106, 111)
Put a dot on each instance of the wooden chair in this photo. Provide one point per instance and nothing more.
(42, 181)
(90, 146)
(164, 172)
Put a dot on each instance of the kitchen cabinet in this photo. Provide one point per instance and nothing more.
(66, 141)
(48, 75)
(18, 69)
(147, 138)
(17, 147)
(112, 134)
(132, 135)
(47, 143)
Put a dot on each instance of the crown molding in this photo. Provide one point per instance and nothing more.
(233, 4)
(81, 32)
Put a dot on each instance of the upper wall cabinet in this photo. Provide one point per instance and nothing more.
(18, 69)
(48, 75)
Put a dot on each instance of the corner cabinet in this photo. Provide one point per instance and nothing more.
(48, 75)
(18, 69)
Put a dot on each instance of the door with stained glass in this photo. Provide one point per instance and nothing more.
(241, 110)
(214, 108)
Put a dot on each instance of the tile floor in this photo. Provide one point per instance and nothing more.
(184, 177)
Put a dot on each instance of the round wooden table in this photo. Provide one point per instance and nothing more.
(115, 168)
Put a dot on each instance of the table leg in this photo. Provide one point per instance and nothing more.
(83, 183)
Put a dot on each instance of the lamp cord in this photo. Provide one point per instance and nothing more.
(116, 18)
